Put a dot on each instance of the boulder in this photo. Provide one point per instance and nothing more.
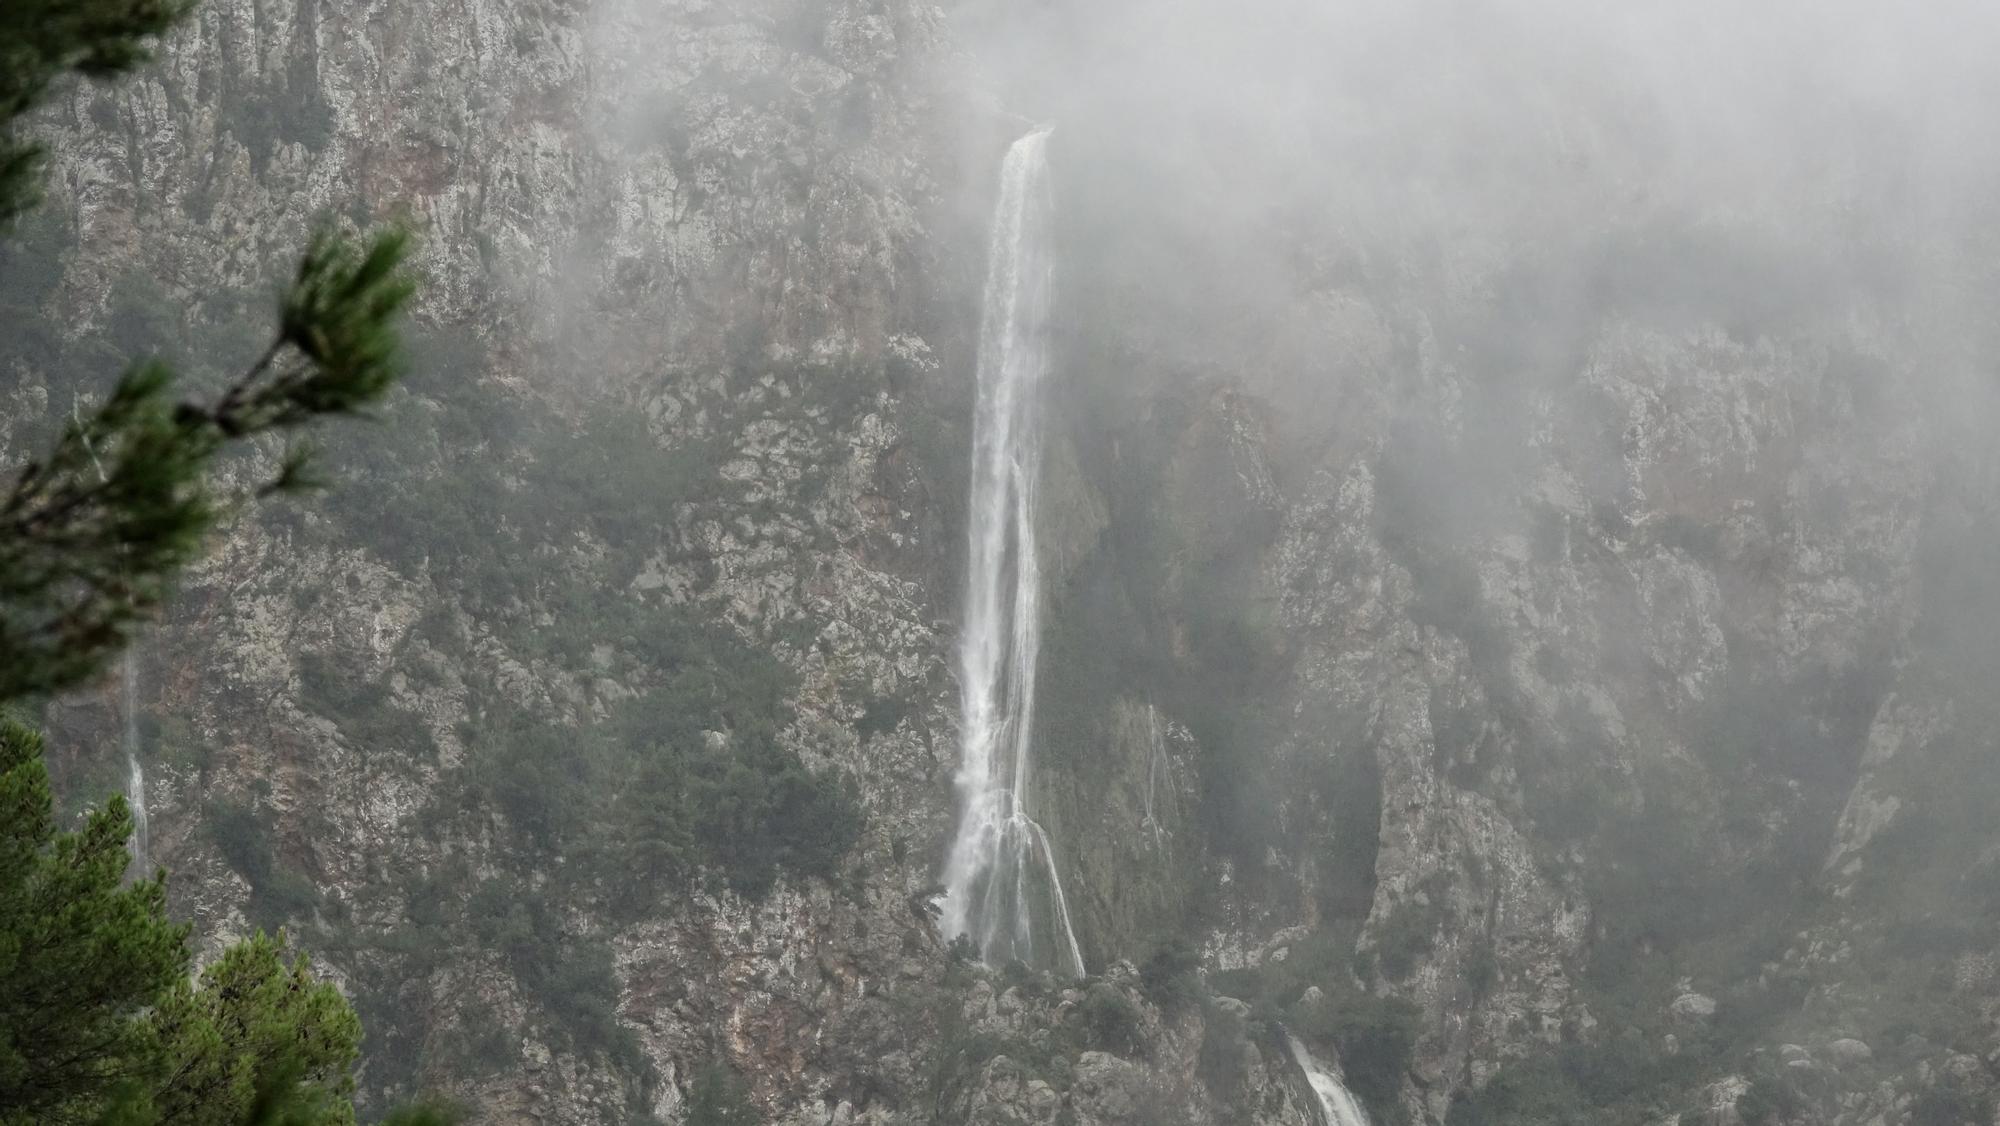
(1692, 1008)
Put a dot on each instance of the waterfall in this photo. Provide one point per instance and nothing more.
(128, 669)
(1336, 1106)
(1156, 753)
(135, 776)
(1002, 869)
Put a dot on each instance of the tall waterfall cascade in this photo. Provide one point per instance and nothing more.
(135, 775)
(1337, 1106)
(1002, 888)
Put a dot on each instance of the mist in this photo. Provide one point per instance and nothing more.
(1080, 562)
(1653, 345)
(1243, 155)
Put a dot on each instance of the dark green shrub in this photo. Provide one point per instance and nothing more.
(1770, 1099)
(361, 707)
(1611, 1070)
(719, 1097)
(1111, 1020)
(174, 742)
(570, 976)
(1618, 1079)
(953, 1063)
(742, 806)
(1224, 1062)
(141, 315)
(690, 777)
(881, 716)
(1171, 977)
(1161, 1105)
(1407, 934)
(1950, 1106)
(1482, 969)
(277, 892)
(1525, 1093)
(1374, 1038)
(479, 1042)
(535, 774)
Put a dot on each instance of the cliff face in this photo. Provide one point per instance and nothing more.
(1508, 699)
(1542, 605)
(698, 231)
(676, 481)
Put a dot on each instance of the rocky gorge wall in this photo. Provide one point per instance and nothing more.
(1538, 580)
(695, 232)
(1553, 716)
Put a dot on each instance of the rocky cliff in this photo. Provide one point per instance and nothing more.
(1537, 661)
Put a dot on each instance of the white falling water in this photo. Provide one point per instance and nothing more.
(1156, 757)
(1001, 873)
(1336, 1106)
(135, 777)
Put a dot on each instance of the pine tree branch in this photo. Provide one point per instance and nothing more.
(92, 535)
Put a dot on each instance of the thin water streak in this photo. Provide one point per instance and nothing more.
(128, 704)
(1156, 753)
(135, 775)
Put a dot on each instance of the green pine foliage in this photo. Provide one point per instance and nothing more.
(93, 534)
(100, 1022)
(42, 41)
(257, 1021)
(81, 953)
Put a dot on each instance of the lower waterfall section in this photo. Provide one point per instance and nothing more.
(1015, 886)
(1337, 1106)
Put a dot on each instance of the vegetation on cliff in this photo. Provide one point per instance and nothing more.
(99, 1021)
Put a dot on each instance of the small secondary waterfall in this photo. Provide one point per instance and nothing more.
(135, 776)
(1001, 873)
(128, 705)
(1156, 753)
(1336, 1106)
